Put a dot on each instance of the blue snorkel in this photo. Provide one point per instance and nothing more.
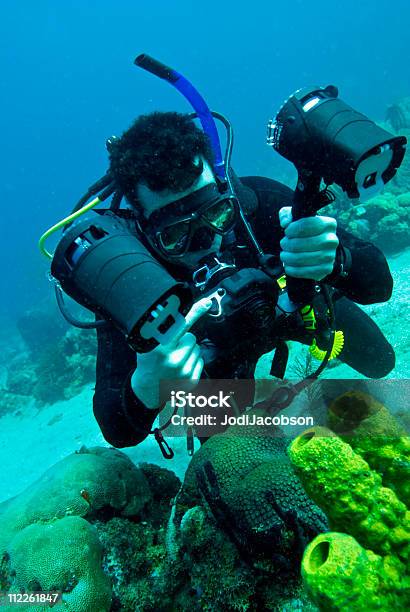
(196, 101)
(206, 116)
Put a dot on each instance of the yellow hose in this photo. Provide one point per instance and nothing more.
(62, 223)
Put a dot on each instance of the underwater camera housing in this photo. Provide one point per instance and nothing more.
(320, 134)
(246, 298)
(103, 266)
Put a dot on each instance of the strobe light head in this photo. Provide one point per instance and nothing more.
(322, 135)
(103, 266)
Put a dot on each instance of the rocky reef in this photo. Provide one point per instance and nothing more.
(383, 220)
(109, 535)
(240, 533)
(53, 362)
(63, 369)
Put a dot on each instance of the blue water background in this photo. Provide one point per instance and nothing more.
(68, 82)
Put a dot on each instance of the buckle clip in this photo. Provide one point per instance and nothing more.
(203, 275)
(164, 447)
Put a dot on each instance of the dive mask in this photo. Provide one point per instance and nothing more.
(202, 214)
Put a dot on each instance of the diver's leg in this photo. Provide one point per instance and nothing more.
(365, 348)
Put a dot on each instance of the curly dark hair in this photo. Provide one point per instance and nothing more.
(159, 150)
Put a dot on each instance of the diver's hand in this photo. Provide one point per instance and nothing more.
(178, 359)
(309, 246)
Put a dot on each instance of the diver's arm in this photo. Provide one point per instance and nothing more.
(314, 249)
(122, 417)
(367, 278)
(125, 382)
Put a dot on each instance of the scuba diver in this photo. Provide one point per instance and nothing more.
(163, 165)
(227, 245)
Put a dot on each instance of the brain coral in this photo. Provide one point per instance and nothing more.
(80, 484)
(46, 545)
(64, 556)
(248, 482)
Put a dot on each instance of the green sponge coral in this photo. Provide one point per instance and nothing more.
(374, 433)
(351, 494)
(61, 556)
(340, 575)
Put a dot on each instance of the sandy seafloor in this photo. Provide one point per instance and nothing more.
(34, 439)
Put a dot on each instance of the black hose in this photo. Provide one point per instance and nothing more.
(69, 318)
(155, 67)
(95, 188)
(116, 201)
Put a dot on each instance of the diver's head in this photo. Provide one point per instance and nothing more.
(163, 164)
(159, 150)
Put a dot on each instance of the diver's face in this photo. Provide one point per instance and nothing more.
(153, 201)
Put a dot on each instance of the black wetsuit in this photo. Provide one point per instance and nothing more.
(124, 420)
